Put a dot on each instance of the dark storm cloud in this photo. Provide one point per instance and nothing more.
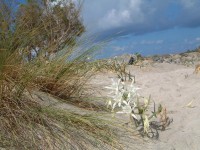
(121, 17)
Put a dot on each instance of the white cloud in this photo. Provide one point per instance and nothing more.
(149, 42)
(114, 18)
(159, 41)
(192, 41)
(189, 3)
(189, 41)
(198, 39)
(131, 13)
(118, 48)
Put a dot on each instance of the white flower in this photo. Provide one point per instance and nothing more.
(132, 92)
(128, 109)
(117, 100)
(125, 110)
(132, 88)
(114, 87)
(109, 103)
(117, 93)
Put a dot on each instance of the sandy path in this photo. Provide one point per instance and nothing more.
(174, 86)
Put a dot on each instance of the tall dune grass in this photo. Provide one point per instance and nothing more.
(25, 123)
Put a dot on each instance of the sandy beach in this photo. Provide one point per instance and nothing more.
(174, 86)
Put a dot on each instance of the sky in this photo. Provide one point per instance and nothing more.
(145, 26)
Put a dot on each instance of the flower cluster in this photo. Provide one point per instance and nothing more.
(126, 97)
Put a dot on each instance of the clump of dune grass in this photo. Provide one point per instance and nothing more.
(25, 123)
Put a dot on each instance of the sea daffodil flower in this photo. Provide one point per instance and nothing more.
(128, 109)
(114, 87)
